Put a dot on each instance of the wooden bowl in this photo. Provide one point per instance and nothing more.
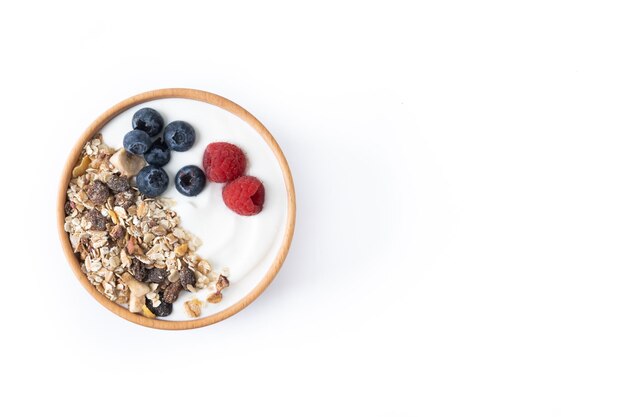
(215, 100)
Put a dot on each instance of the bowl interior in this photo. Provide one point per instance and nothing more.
(250, 288)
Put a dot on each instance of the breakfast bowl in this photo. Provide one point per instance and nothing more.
(176, 209)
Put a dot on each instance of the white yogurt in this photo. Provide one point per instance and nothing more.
(246, 245)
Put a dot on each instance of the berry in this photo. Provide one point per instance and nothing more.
(223, 162)
(162, 310)
(179, 136)
(137, 142)
(245, 195)
(148, 120)
(190, 180)
(152, 181)
(158, 154)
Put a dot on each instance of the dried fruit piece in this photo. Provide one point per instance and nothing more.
(146, 312)
(81, 168)
(97, 220)
(215, 298)
(161, 310)
(133, 247)
(98, 192)
(125, 199)
(127, 163)
(171, 292)
(138, 269)
(118, 183)
(157, 275)
(187, 277)
(193, 308)
(117, 232)
(68, 207)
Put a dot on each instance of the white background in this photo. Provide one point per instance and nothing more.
(460, 241)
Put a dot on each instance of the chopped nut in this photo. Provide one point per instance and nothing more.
(81, 168)
(127, 163)
(215, 298)
(203, 267)
(180, 250)
(126, 277)
(113, 217)
(222, 282)
(136, 303)
(142, 209)
(138, 288)
(193, 308)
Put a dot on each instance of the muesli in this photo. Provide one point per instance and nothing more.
(130, 245)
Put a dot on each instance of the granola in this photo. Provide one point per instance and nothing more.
(131, 248)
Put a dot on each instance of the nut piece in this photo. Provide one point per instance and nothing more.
(138, 289)
(180, 250)
(171, 292)
(215, 298)
(81, 168)
(222, 282)
(113, 217)
(193, 308)
(127, 163)
(136, 304)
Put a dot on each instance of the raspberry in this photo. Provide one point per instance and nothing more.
(223, 162)
(244, 196)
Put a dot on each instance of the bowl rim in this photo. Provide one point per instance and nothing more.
(191, 94)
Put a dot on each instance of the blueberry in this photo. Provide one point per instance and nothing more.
(179, 136)
(152, 181)
(137, 142)
(148, 120)
(190, 180)
(158, 154)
